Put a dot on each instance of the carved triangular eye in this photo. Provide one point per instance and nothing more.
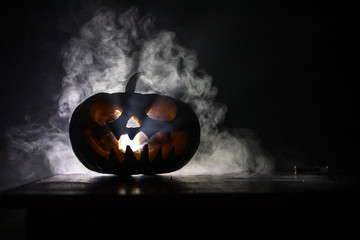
(162, 110)
(103, 112)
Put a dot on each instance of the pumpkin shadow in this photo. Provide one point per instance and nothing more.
(135, 185)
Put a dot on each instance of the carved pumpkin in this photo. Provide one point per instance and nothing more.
(131, 133)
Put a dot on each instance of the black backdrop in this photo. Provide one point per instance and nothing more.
(284, 68)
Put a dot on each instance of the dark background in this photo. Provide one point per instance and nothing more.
(285, 69)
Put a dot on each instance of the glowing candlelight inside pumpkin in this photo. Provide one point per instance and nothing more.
(133, 122)
(103, 112)
(136, 145)
(139, 131)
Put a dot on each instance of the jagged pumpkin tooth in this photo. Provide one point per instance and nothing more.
(105, 141)
(138, 153)
(145, 154)
(119, 154)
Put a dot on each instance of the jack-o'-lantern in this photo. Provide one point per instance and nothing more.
(131, 133)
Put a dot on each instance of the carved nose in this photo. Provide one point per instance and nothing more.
(133, 122)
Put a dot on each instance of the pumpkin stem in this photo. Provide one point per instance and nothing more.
(131, 84)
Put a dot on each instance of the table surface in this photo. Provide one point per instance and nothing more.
(97, 184)
(94, 203)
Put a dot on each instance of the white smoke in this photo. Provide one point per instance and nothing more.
(109, 49)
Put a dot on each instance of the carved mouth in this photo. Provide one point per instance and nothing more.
(175, 141)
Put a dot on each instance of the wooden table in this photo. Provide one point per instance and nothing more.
(203, 205)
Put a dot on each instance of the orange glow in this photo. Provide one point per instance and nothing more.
(156, 141)
(162, 110)
(136, 145)
(104, 145)
(177, 143)
(133, 122)
(180, 141)
(95, 144)
(104, 112)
